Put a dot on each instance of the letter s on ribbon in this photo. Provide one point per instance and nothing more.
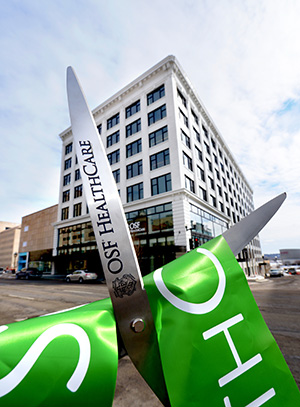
(10, 381)
(190, 307)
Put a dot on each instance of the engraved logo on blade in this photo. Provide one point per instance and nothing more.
(125, 285)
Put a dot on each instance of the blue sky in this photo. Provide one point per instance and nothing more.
(243, 59)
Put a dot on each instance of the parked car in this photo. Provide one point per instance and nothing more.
(274, 273)
(81, 276)
(293, 270)
(28, 273)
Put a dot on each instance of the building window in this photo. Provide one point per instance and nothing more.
(68, 163)
(187, 161)
(114, 157)
(155, 95)
(207, 148)
(189, 184)
(212, 183)
(65, 213)
(159, 159)
(219, 190)
(133, 128)
(66, 196)
(203, 194)
(184, 118)
(201, 174)
(197, 134)
(77, 210)
(78, 191)
(213, 143)
(199, 154)
(135, 192)
(134, 148)
(217, 174)
(67, 179)
(116, 175)
(113, 139)
(195, 116)
(99, 127)
(157, 114)
(132, 109)
(205, 131)
(209, 165)
(182, 98)
(185, 138)
(154, 219)
(213, 201)
(112, 121)
(161, 184)
(221, 206)
(134, 169)
(158, 136)
(77, 174)
(68, 148)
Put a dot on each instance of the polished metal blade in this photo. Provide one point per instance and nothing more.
(118, 257)
(239, 235)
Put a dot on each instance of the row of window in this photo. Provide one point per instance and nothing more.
(133, 148)
(135, 127)
(242, 189)
(187, 161)
(190, 184)
(67, 177)
(157, 160)
(135, 107)
(77, 211)
(135, 192)
(67, 193)
(159, 185)
(156, 137)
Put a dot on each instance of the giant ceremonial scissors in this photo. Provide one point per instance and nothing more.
(123, 277)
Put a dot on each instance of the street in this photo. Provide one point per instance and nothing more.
(278, 300)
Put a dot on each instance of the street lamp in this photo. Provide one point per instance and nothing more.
(191, 228)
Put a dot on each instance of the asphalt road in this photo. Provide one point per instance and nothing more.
(277, 298)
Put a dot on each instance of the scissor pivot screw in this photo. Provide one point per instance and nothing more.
(138, 325)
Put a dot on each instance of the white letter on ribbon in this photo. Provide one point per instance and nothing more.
(10, 381)
(190, 307)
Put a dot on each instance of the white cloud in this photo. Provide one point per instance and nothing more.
(242, 57)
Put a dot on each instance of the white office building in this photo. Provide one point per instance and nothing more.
(178, 181)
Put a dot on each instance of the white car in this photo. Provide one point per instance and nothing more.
(274, 273)
(81, 276)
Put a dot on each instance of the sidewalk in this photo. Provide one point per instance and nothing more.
(256, 278)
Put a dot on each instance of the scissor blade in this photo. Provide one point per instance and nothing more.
(118, 257)
(239, 235)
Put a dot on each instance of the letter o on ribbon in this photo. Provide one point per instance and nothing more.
(190, 307)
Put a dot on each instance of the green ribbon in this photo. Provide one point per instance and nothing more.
(64, 359)
(216, 349)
